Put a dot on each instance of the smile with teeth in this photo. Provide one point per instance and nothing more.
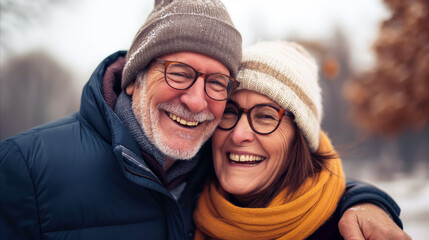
(245, 159)
(183, 121)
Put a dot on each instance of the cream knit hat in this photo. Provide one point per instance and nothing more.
(287, 74)
(201, 26)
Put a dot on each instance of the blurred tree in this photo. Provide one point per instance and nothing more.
(34, 89)
(385, 156)
(17, 14)
(333, 59)
(331, 67)
(395, 95)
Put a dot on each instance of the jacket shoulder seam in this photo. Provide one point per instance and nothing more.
(40, 129)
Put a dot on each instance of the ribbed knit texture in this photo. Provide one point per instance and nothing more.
(286, 73)
(295, 218)
(201, 26)
(123, 109)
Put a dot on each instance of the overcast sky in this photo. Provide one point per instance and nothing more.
(81, 33)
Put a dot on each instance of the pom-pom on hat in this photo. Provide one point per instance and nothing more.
(287, 74)
(201, 26)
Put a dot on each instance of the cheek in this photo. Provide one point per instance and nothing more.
(285, 139)
(279, 152)
(217, 108)
(286, 134)
(157, 89)
(218, 140)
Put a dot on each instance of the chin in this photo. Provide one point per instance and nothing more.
(176, 152)
(234, 188)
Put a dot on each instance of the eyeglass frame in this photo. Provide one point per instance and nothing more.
(167, 63)
(281, 112)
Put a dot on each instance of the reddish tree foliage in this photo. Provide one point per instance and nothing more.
(331, 67)
(395, 94)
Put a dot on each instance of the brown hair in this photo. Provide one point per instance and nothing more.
(300, 165)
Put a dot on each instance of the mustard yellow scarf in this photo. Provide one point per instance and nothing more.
(313, 204)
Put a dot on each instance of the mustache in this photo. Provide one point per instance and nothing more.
(182, 112)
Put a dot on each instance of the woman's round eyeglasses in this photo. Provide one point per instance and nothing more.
(263, 118)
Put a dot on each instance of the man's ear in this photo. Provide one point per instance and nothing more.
(130, 89)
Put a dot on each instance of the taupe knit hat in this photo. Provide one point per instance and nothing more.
(287, 74)
(202, 26)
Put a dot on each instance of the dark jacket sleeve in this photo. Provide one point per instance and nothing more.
(360, 192)
(18, 211)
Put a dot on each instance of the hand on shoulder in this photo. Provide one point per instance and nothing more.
(368, 221)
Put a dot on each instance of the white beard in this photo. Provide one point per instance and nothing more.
(148, 117)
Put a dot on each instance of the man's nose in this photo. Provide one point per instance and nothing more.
(242, 132)
(195, 97)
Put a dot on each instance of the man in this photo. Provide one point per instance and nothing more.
(128, 165)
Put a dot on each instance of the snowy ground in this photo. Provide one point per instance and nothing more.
(412, 195)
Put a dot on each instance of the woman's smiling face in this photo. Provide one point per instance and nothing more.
(246, 162)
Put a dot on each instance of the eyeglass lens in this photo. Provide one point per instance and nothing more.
(262, 119)
(181, 76)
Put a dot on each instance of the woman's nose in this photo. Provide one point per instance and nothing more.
(242, 132)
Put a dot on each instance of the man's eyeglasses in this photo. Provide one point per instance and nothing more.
(181, 76)
(263, 118)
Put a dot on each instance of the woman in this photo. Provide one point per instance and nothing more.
(278, 176)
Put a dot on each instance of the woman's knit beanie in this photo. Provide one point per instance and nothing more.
(201, 26)
(287, 74)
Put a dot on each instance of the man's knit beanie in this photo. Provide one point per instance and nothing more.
(287, 74)
(201, 26)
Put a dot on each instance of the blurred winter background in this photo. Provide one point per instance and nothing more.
(373, 57)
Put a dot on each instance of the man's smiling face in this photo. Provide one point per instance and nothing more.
(177, 122)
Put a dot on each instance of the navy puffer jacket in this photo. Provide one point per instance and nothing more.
(82, 177)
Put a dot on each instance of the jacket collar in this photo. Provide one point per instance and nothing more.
(98, 112)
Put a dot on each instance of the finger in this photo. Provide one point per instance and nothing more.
(349, 227)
